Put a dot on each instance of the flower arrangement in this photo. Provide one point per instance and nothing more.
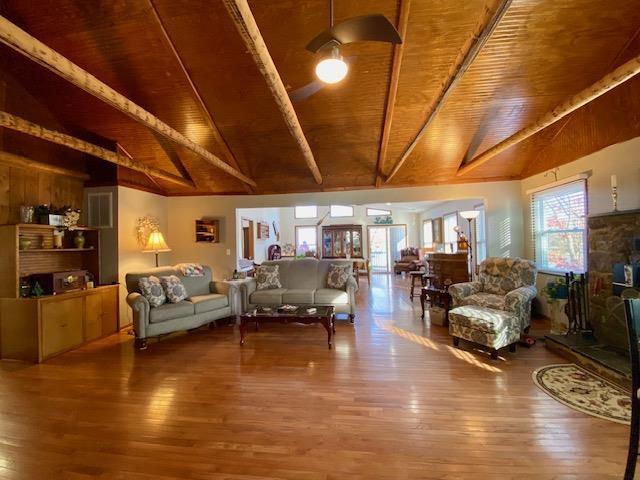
(556, 290)
(71, 218)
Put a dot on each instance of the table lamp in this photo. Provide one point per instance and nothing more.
(156, 244)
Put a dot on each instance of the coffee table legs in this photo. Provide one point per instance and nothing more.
(243, 324)
(327, 323)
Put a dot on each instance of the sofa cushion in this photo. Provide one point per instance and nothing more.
(268, 277)
(208, 302)
(488, 300)
(331, 296)
(298, 296)
(197, 285)
(174, 288)
(151, 289)
(171, 311)
(480, 318)
(271, 296)
(300, 274)
(338, 275)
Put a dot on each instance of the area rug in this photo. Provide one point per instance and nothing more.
(584, 391)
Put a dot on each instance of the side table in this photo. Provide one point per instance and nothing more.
(436, 296)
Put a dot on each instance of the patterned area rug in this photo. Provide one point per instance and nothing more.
(584, 391)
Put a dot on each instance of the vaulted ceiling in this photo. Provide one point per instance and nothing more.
(185, 62)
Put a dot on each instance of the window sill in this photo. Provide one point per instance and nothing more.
(556, 273)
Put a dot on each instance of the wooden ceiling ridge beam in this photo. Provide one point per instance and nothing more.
(246, 25)
(13, 160)
(19, 124)
(16, 38)
(463, 64)
(153, 180)
(198, 97)
(614, 78)
(398, 52)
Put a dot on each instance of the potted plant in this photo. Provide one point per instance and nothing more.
(557, 294)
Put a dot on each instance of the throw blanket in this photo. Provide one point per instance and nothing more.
(191, 269)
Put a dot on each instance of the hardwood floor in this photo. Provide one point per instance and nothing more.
(393, 400)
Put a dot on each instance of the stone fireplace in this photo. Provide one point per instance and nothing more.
(613, 250)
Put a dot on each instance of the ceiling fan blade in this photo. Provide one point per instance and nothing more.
(373, 28)
(302, 93)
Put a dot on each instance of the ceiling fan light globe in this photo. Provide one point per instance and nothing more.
(331, 70)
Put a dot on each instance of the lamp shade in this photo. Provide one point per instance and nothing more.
(469, 214)
(156, 243)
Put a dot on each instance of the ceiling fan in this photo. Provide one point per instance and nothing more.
(332, 67)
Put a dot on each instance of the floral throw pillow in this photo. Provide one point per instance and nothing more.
(268, 277)
(152, 290)
(174, 288)
(338, 276)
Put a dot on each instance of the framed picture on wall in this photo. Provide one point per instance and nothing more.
(263, 230)
(437, 230)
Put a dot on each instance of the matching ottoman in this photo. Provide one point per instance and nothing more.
(491, 328)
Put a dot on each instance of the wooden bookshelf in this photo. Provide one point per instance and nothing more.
(41, 256)
(208, 231)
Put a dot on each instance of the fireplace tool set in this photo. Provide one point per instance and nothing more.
(577, 308)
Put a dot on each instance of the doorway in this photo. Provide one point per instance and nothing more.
(385, 243)
(247, 239)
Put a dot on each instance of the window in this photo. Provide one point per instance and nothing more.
(377, 212)
(427, 234)
(341, 211)
(558, 225)
(307, 211)
(450, 221)
(480, 234)
(306, 240)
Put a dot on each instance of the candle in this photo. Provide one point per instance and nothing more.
(614, 181)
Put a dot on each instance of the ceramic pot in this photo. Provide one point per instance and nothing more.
(79, 239)
(24, 243)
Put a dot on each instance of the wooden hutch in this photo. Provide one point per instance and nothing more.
(37, 328)
(338, 241)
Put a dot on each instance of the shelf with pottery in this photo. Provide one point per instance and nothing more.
(34, 248)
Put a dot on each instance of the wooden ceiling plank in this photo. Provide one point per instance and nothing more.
(153, 180)
(246, 25)
(18, 124)
(456, 75)
(16, 38)
(19, 161)
(403, 20)
(618, 76)
(220, 140)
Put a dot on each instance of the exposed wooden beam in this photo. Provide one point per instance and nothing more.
(153, 180)
(37, 51)
(464, 61)
(13, 160)
(245, 23)
(618, 76)
(403, 20)
(217, 135)
(18, 124)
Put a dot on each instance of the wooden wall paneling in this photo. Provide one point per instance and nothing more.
(8, 261)
(16, 193)
(44, 189)
(5, 202)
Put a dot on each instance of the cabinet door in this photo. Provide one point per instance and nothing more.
(109, 310)
(61, 325)
(93, 316)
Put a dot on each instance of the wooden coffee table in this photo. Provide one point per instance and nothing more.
(324, 315)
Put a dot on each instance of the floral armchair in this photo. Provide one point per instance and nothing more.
(503, 284)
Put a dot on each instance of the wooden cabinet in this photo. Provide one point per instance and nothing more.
(61, 325)
(338, 241)
(34, 329)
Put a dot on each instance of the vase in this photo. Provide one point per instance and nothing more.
(57, 240)
(559, 320)
(24, 243)
(79, 240)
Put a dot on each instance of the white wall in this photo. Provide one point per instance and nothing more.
(288, 223)
(260, 246)
(622, 159)
(444, 208)
(133, 204)
(502, 201)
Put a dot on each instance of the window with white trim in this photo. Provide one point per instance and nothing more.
(558, 223)
(306, 240)
(427, 234)
(338, 211)
(480, 234)
(377, 212)
(306, 211)
(450, 221)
